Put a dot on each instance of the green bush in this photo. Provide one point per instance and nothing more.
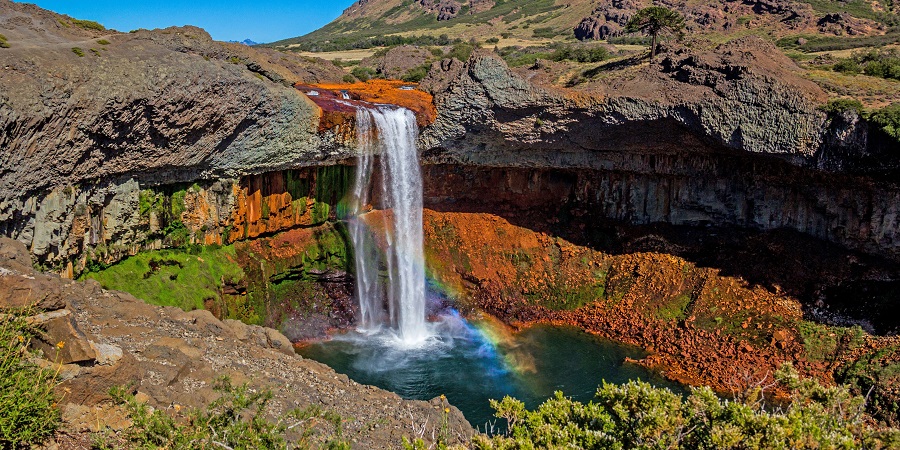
(875, 63)
(848, 66)
(103, 42)
(87, 24)
(840, 105)
(417, 74)
(580, 54)
(28, 413)
(462, 51)
(78, 51)
(638, 416)
(363, 73)
(235, 421)
(3, 43)
(887, 119)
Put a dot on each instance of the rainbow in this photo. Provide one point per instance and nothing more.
(499, 342)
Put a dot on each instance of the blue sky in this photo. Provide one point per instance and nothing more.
(225, 20)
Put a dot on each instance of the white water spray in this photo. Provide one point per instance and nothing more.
(390, 132)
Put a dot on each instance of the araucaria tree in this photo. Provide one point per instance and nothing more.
(655, 20)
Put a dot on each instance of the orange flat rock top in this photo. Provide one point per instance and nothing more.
(376, 91)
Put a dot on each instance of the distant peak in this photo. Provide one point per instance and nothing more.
(245, 42)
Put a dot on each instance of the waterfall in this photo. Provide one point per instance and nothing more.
(391, 133)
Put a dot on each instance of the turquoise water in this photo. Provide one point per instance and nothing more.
(472, 363)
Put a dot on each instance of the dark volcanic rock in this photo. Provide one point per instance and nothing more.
(607, 20)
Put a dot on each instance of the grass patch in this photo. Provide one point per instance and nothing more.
(827, 344)
(28, 413)
(78, 51)
(103, 42)
(676, 309)
(857, 8)
(819, 43)
(173, 277)
(3, 42)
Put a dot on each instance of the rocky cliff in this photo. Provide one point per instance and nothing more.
(730, 136)
(87, 115)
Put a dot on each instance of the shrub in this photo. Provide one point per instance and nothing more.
(363, 73)
(87, 24)
(236, 420)
(416, 74)
(875, 63)
(3, 43)
(580, 54)
(492, 40)
(103, 42)
(887, 119)
(840, 105)
(349, 78)
(461, 51)
(848, 66)
(78, 51)
(28, 413)
(637, 415)
(544, 32)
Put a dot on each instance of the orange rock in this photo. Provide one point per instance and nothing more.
(335, 112)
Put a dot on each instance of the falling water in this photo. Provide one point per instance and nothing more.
(390, 132)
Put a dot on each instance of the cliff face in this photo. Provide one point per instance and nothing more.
(729, 137)
(158, 138)
(87, 115)
(742, 95)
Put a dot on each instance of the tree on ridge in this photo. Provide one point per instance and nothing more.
(655, 20)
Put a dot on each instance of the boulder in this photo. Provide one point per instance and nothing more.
(106, 354)
(91, 387)
(15, 256)
(60, 340)
(41, 292)
(278, 341)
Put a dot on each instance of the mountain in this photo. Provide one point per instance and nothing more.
(247, 42)
(369, 23)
